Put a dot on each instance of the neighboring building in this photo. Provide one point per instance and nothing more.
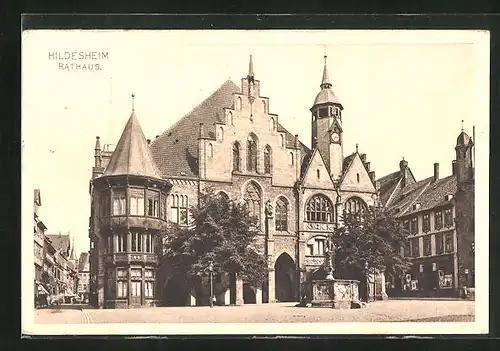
(39, 238)
(84, 276)
(62, 263)
(233, 143)
(439, 215)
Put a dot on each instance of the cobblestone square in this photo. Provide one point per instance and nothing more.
(382, 311)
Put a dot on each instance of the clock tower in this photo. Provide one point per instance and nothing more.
(327, 126)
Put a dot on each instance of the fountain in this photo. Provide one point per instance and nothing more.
(330, 292)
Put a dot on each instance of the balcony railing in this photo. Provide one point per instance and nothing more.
(131, 257)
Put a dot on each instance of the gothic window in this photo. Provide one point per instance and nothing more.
(252, 153)
(319, 209)
(448, 217)
(415, 248)
(426, 223)
(354, 205)
(427, 245)
(220, 135)
(439, 244)
(272, 125)
(267, 160)
(179, 209)
(281, 220)
(119, 202)
(153, 203)
(438, 220)
(236, 156)
(238, 103)
(137, 202)
(230, 118)
(414, 225)
(253, 202)
(282, 139)
(210, 150)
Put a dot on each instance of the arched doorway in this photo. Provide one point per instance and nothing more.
(248, 294)
(176, 292)
(284, 270)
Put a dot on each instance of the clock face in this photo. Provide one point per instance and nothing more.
(335, 137)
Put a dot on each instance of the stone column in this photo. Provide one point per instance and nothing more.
(271, 286)
(239, 291)
(258, 296)
(383, 293)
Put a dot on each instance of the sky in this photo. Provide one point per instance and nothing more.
(404, 94)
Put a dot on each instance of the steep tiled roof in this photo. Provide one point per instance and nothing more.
(388, 184)
(60, 242)
(176, 150)
(428, 193)
(132, 155)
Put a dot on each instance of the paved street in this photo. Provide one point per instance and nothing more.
(381, 311)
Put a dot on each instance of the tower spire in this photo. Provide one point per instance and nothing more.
(250, 69)
(462, 125)
(325, 82)
(133, 98)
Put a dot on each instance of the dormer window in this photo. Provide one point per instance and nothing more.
(448, 197)
(416, 206)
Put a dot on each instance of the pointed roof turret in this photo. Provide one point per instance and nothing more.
(326, 95)
(132, 155)
(72, 255)
(463, 139)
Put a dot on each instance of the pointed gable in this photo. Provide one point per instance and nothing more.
(356, 177)
(132, 155)
(311, 179)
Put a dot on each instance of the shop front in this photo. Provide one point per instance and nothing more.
(428, 277)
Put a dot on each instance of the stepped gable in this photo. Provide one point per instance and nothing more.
(132, 155)
(175, 152)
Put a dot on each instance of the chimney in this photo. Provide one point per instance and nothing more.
(454, 167)
(149, 141)
(296, 141)
(372, 176)
(363, 158)
(436, 171)
(367, 165)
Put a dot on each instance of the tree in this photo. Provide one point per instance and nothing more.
(371, 238)
(222, 232)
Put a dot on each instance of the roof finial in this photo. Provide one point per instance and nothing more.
(356, 147)
(462, 125)
(133, 97)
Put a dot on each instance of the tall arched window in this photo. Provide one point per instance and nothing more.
(210, 150)
(253, 202)
(236, 156)
(282, 140)
(223, 196)
(281, 220)
(319, 209)
(291, 158)
(252, 153)
(238, 103)
(267, 159)
(272, 125)
(220, 135)
(230, 118)
(354, 205)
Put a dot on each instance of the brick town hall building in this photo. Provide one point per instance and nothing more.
(233, 143)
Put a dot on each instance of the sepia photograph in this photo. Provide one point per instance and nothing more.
(255, 182)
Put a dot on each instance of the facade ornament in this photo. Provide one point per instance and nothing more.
(269, 209)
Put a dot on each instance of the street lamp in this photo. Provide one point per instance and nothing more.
(367, 282)
(211, 270)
